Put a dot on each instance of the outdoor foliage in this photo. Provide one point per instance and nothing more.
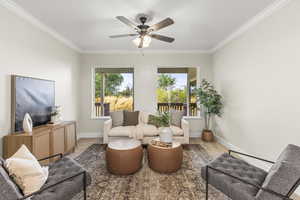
(112, 84)
(165, 93)
(176, 95)
(165, 81)
(118, 100)
(211, 100)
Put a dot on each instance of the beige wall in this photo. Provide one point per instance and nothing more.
(258, 75)
(25, 50)
(145, 81)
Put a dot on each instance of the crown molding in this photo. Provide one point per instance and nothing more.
(278, 4)
(18, 10)
(159, 51)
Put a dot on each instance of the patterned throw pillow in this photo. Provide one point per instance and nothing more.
(176, 116)
(131, 118)
(152, 120)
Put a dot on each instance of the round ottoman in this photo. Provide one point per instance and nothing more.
(163, 159)
(124, 156)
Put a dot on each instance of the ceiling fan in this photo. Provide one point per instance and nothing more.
(145, 32)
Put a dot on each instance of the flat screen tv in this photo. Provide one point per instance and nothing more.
(34, 96)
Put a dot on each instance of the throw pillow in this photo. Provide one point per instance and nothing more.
(152, 120)
(117, 118)
(26, 171)
(131, 118)
(176, 116)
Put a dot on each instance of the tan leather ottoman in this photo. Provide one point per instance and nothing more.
(124, 156)
(165, 160)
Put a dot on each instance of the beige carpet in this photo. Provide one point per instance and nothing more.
(185, 184)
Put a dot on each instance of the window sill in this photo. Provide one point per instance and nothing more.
(192, 117)
(100, 118)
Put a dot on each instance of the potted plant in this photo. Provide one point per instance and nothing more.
(212, 104)
(163, 122)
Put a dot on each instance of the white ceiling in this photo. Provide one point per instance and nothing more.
(200, 25)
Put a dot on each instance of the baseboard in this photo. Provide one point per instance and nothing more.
(231, 146)
(254, 162)
(196, 134)
(89, 135)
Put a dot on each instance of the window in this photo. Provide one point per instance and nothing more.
(176, 90)
(113, 90)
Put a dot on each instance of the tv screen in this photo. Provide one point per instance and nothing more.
(34, 96)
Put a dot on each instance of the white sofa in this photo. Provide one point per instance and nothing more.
(147, 131)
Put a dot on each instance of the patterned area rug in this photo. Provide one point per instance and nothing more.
(185, 184)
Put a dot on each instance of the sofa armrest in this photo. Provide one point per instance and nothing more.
(186, 130)
(107, 125)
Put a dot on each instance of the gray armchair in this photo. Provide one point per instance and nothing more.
(241, 181)
(66, 179)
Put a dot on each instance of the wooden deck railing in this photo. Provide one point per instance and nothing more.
(165, 107)
(162, 107)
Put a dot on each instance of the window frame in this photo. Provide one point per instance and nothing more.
(93, 87)
(188, 116)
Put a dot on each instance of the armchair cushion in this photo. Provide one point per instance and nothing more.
(280, 179)
(1, 161)
(59, 170)
(283, 174)
(238, 168)
(8, 189)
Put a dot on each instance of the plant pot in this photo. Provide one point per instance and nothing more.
(207, 135)
(166, 134)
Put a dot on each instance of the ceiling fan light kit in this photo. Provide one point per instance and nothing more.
(145, 32)
(146, 41)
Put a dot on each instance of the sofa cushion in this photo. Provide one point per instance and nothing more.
(117, 118)
(147, 129)
(176, 116)
(283, 174)
(176, 131)
(120, 131)
(59, 170)
(131, 118)
(8, 189)
(232, 187)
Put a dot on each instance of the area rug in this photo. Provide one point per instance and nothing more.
(185, 184)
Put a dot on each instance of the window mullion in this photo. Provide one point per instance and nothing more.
(102, 93)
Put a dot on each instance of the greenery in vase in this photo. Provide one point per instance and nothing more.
(163, 119)
(211, 100)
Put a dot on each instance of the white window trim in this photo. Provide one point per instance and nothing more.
(93, 68)
(198, 116)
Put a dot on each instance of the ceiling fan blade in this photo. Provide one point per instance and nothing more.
(164, 23)
(162, 38)
(127, 22)
(123, 35)
(141, 43)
